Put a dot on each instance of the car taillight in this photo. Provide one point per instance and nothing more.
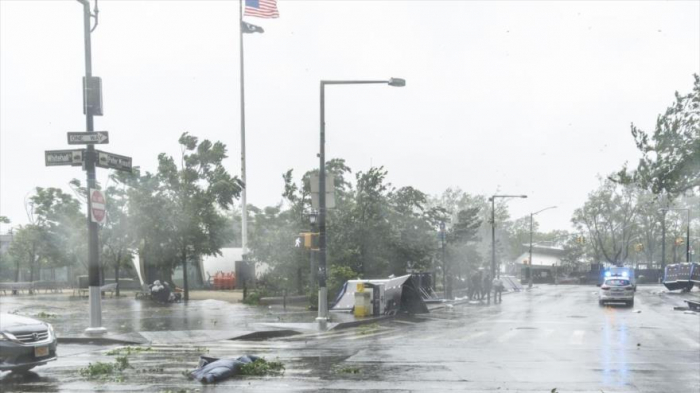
(605, 288)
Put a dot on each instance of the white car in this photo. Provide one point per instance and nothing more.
(616, 289)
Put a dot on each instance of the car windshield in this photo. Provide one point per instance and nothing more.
(617, 283)
(374, 195)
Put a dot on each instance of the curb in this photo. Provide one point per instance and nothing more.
(265, 335)
(345, 325)
(98, 341)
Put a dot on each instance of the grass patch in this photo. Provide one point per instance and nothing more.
(262, 367)
(45, 315)
(128, 350)
(367, 329)
(348, 370)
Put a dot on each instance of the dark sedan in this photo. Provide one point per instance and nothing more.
(25, 343)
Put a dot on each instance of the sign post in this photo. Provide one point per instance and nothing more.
(88, 138)
(89, 158)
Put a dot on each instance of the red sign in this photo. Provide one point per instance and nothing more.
(97, 206)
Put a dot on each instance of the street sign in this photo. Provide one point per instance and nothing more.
(63, 157)
(330, 191)
(113, 161)
(84, 138)
(97, 206)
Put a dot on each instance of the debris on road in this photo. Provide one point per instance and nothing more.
(212, 370)
(637, 311)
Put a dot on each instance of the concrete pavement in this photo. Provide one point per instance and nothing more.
(547, 338)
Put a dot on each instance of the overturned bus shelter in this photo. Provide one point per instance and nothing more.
(389, 296)
(681, 276)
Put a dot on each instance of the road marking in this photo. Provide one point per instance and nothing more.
(510, 334)
(472, 336)
(577, 337)
(546, 333)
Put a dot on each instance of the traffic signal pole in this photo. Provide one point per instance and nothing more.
(90, 159)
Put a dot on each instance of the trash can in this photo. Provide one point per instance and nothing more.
(363, 304)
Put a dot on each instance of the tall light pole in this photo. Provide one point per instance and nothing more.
(529, 260)
(687, 235)
(492, 199)
(322, 290)
(90, 160)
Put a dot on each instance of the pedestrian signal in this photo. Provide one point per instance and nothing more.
(310, 240)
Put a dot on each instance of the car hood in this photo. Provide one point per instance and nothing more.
(16, 323)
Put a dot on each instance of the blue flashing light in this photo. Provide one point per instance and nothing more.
(607, 274)
(625, 274)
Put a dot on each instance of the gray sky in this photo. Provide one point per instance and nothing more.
(516, 97)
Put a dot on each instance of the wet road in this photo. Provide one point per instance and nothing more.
(551, 337)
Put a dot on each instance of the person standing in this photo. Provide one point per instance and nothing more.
(497, 284)
(476, 285)
(486, 287)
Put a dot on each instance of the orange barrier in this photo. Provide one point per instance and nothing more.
(224, 280)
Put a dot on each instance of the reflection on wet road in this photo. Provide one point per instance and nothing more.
(551, 337)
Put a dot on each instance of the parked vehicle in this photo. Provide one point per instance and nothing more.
(616, 290)
(25, 343)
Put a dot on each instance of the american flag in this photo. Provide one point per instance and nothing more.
(261, 8)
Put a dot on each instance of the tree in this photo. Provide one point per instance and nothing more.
(117, 238)
(198, 190)
(26, 249)
(609, 217)
(59, 219)
(671, 154)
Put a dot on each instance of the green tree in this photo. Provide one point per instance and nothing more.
(117, 238)
(61, 222)
(198, 191)
(26, 249)
(671, 154)
(609, 216)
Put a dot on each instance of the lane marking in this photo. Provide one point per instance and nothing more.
(510, 334)
(577, 337)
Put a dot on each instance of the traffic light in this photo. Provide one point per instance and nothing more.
(309, 240)
(580, 239)
(639, 247)
(679, 241)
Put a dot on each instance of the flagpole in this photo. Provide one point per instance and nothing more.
(244, 207)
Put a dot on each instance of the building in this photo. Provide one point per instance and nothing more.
(545, 262)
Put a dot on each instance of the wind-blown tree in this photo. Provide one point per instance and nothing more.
(59, 217)
(412, 235)
(671, 154)
(463, 231)
(197, 192)
(609, 216)
(371, 221)
(26, 249)
(117, 238)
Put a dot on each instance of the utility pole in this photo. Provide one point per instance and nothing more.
(322, 318)
(492, 199)
(90, 160)
(447, 292)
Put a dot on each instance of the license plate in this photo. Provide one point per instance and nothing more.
(41, 352)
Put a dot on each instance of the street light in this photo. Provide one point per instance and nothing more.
(529, 267)
(687, 240)
(322, 290)
(492, 199)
